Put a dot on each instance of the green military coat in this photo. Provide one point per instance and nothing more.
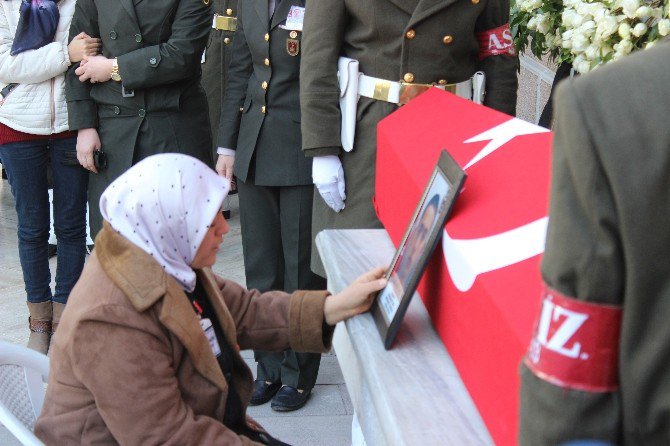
(216, 60)
(260, 117)
(423, 40)
(608, 242)
(159, 47)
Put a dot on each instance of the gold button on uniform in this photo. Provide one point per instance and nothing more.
(264, 85)
(408, 77)
(263, 109)
(266, 62)
(267, 37)
(442, 82)
(447, 39)
(226, 40)
(230, 11)
(474, 2)
(410, 34)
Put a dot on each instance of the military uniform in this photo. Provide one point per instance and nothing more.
(216, 59)
(260, 120)
(607, 250)
(416, 41)
(162, 106)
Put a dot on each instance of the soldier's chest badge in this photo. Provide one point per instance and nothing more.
(293, 45)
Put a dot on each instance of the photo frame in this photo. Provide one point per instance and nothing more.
(417, 246)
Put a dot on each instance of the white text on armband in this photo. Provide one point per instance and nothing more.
(576, 343)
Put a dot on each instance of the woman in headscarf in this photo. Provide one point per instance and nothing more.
(148, 349)
(34, 55)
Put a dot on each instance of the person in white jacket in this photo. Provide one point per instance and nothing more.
(34, 127)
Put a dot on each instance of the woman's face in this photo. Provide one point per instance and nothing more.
(206, 254)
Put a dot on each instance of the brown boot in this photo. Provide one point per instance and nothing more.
(39, 323)
(57, 313)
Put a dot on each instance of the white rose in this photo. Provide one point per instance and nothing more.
(579, 42)
(588, 26)
(643, 12)
(650, 44)
(583, 67)
(629, 7)
(597, 10)
(640, 29)
(664, 27)
(571, 18)
(543, 23)
(624, 30)
(591, 52)
(606, 27)
(532, 24)
(624, 47)
(530, 5)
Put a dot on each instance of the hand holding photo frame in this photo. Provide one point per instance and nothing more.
(417, 246)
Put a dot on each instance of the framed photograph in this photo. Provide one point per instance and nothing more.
(417, 246)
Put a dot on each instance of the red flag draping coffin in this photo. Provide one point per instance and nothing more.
(482, 287)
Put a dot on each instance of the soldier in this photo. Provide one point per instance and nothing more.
(419, 42)
(215, 63)
(598, 365)
(142, 96)
(260, 133)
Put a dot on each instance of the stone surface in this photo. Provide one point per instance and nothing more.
(411, 394)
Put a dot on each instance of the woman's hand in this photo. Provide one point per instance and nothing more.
(83, 45)
(354, 299)
(94, 69)
(224, 166)
(88, 142)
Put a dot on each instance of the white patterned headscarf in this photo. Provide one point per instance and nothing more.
(165, 204)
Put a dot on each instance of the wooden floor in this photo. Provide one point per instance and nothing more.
(325, 420)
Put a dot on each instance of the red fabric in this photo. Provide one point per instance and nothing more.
(488, 326)
(576, 343)
(9, 135)
(495, 42)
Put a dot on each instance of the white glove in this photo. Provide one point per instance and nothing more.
(328, 177)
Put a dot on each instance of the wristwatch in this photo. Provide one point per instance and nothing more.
(115, 71)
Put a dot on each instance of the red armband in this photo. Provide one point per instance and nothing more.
(496, 42)
(576, 343)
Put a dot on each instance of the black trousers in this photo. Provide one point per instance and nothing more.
(276, 226)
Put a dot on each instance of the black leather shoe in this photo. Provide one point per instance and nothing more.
(289, 398)
(263, 392)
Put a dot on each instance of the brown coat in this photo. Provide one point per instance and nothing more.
(131, 365)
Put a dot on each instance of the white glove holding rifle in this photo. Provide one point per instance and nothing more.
(328, 177)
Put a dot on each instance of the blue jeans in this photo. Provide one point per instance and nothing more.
(26, 166)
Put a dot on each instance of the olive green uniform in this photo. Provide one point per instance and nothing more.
(260, 120)
(608, 243)
(418, 41)
(216, 60)
(159, 47)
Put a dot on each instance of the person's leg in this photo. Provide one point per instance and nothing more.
(25, 163)
(299, 370)
(263, 266)
(70, 186)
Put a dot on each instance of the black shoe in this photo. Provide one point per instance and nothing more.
(289, 398)
(263, 392)
(52, 250)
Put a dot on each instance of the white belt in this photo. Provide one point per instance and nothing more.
(401, 92)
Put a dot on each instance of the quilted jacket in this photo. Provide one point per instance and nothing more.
(37, 105)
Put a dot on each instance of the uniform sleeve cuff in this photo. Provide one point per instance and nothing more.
(306, 322)
(225, 151)
(322, 151)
